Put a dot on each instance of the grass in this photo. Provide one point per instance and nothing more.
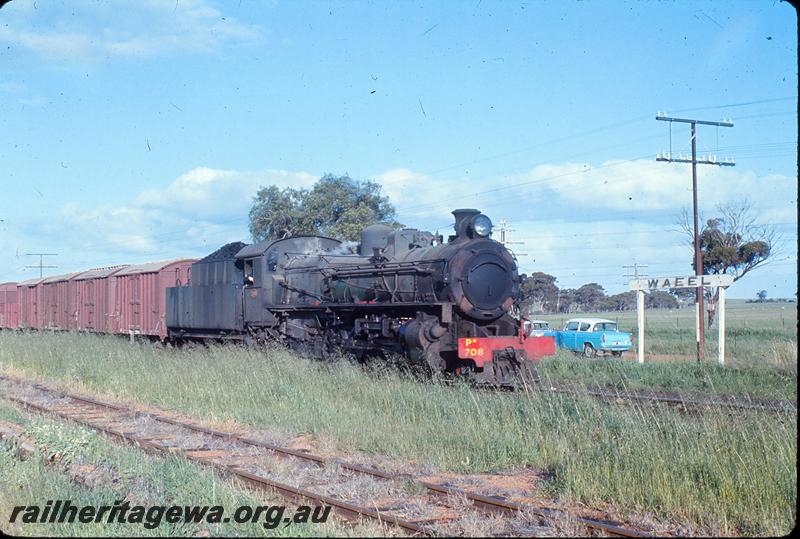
(139, 478)
(773, 379)
(752, 330)
(720, 473)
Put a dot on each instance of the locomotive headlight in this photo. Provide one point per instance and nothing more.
(482, 225)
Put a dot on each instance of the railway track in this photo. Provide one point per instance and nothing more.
(109, 418)
(674, 399)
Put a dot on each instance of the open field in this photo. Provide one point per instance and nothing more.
(754, 330)
(687, 378)
(716, 472)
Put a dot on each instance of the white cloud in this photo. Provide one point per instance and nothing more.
(190, 216)
(53, 44)
(418, 196)
(582, 189)
(647, 185)
(208, 193)
(136, 29)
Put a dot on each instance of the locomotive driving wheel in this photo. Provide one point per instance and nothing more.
(329, 344)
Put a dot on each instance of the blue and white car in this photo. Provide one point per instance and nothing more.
(538, 328)
(592, 336)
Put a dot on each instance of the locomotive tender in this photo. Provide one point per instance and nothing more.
(404, 291)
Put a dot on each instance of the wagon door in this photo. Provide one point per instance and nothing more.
(13, 320)
(52, 296)
(33, 312)
(89, 305)
(136, 302)
(114, 304)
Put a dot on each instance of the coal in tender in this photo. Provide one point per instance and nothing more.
(226, 252)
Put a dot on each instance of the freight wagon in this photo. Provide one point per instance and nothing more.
(8, 305)
(121, 299)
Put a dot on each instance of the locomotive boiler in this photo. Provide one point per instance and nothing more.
(403, 291)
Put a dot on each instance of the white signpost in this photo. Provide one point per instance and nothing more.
(692, 281)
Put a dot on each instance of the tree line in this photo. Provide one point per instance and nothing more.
(540, 294)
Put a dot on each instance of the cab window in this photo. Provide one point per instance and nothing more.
(272, 261)
(248, 273)
(571, 326)
(585, 326)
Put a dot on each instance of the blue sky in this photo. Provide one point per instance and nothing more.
(134, 131)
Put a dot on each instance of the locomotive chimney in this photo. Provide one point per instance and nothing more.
(463, 217)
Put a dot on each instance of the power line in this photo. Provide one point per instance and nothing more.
(601, 129)
(538, 145)
(766, 115)
(742, 104)
(41, 265)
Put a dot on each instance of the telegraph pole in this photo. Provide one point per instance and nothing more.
(635, 273)
(710, 160)
(503, 230)
(41, 265)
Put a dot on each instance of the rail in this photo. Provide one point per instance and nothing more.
(491, 504)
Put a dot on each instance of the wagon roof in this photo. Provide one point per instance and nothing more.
(59, 278)
(10, 283)
(257, 249)
(152, 267)
(98, 273)
(31, 282)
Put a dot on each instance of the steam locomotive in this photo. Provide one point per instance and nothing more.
(403, 291)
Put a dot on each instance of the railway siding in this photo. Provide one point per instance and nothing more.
(354, 491)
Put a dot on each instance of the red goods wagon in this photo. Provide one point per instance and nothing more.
(96, 293)
(141, 295)
(60, 302)
(8, 305)
(31, 308)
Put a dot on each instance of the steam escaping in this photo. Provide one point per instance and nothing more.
(346, 248)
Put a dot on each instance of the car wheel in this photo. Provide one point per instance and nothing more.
(588, 350)
(617, 353)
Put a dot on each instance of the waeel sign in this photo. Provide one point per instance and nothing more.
(691, 281)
